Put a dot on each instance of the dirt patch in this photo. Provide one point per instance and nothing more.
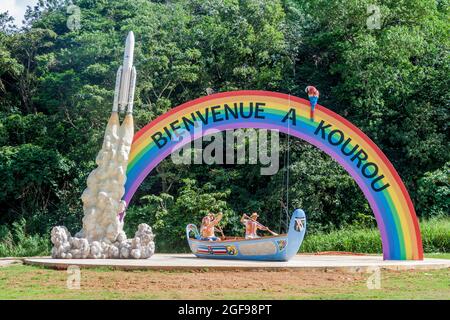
(198, 285)
(335, 253)
(185, 285)
(28, 282)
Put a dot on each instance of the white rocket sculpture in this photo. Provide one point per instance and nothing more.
(105, 185)
(102, 235)
(126, 79)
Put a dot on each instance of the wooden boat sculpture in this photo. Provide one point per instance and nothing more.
(272, 248)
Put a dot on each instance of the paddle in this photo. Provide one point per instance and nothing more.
(221, 231)
(273, 233)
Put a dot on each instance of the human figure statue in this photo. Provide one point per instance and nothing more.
(252, 225)
(208, 226)
(122, 208)
(313, 95)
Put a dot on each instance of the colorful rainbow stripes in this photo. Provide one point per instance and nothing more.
(391, 205)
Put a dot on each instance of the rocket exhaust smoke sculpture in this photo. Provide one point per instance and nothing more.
(102, 235)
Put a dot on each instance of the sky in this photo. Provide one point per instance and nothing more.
(16, 8)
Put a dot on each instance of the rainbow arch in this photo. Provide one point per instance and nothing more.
(388, 197)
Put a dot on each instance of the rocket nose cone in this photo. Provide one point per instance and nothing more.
(129, 50)
(130, 39)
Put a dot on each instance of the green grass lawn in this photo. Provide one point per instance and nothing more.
(437, 255)
(30, 282)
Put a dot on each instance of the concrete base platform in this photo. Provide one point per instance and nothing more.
(5, 262)
(349, 263)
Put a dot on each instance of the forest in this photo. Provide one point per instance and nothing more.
(57, 78)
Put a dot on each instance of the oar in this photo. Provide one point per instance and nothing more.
(221, 231)
(273, 233)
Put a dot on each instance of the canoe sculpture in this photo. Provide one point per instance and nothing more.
(272, 248)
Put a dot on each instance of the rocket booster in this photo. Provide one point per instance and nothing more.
(126, 79)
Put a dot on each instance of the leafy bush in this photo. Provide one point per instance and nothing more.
(17, 243)
(433, 196)
(350, 239)
(435, 237)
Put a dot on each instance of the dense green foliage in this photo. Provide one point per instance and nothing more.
(56, 90)
(15, 242)
(360, 239)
